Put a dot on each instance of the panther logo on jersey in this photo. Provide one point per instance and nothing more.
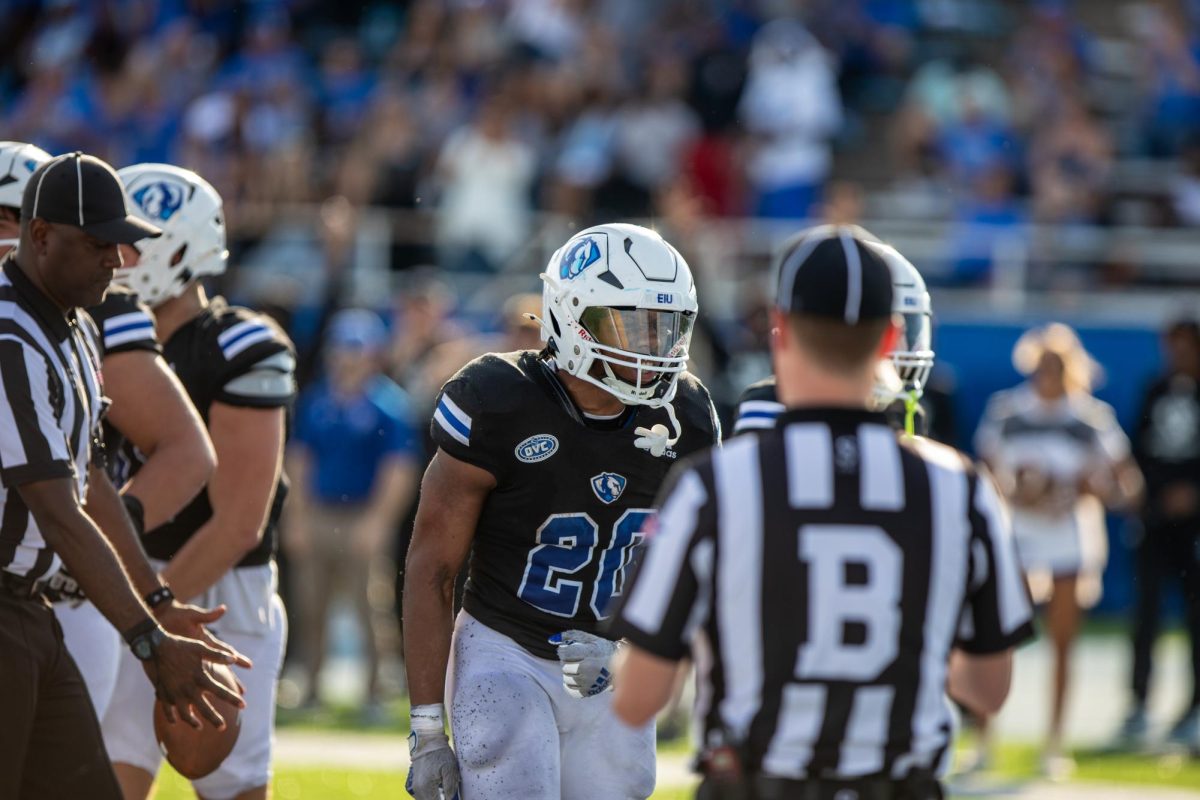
(608, 486)
(582, 255)
(160, 200)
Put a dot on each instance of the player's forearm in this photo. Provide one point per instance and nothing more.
(105, 508)
(428, 627)
(94, 564)
(215, 549)
(171, 478)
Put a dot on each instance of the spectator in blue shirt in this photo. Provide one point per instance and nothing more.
(353, 461)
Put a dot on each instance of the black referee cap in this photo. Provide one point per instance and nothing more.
(830, 271)
(81, 190)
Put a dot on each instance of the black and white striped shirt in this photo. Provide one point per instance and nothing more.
(51, 403)
(819, 574)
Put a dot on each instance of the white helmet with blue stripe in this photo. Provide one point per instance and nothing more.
(189, 211)
(18, 161)
(618, 305)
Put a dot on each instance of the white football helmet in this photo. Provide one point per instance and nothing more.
(189, 211)
(618, 305)
(18, 161)
(912, 359)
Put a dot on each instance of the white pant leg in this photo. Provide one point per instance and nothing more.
(128, 724)
(96, 647)
(502, 717)
(248, 766)
(602, 757)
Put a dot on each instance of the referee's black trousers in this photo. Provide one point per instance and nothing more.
(50, 743)
(1166, 554)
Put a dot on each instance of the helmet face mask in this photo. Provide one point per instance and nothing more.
(912, 358)
(189, 212)
(618, 308)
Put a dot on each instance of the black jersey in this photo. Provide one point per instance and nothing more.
(238, 357)
(125, 324)
(759, 405)
(571, 497)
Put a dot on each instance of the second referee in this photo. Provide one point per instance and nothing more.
(831, 580)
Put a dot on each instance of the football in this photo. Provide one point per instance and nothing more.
(195, 753)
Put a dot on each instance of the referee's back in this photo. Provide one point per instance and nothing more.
(821, 572)
(825, 572)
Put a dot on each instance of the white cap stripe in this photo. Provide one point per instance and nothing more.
(853, 279)
(37, 195)
(79, 184)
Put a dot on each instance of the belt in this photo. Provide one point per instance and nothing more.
(19, 586)
(762, 787)
(766, 788)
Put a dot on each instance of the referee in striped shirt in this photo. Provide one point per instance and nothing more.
(73, 216)
(832, 581)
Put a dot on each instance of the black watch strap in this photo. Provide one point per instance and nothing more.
(159, 596)
(141, 629)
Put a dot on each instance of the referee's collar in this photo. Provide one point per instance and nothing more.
(833, 414)
(46, 312)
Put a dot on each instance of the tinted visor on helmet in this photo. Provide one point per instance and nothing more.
(639, 331)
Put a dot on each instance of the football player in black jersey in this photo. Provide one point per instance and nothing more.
(237, 366)
(149, 408)
(902, 379)
(546, 470)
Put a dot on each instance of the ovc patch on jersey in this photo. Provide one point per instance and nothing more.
(537, 448)
(581, 255)
(608, 486)
(160, 200)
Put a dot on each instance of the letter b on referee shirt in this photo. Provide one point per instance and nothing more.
(841, 600)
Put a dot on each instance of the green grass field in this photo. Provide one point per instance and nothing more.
(1015, 763)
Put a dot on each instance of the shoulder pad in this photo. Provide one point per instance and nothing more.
(758, 407)
(241, 330)
(468, 420)
(124, 322)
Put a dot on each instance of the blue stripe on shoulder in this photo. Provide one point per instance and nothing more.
(454, 421)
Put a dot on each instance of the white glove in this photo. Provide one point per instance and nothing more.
(584, 660)
(433, 774)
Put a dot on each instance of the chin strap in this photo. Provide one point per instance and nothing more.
(656, 439)
(912, 405)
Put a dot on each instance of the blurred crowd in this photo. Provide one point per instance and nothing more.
(486, 112)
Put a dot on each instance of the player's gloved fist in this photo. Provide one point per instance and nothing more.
(433, 774)
(585, 662)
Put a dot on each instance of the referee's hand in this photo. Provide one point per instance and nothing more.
(188, 621)
(182, 683)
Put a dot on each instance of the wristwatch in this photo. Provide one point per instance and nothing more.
(146, 645)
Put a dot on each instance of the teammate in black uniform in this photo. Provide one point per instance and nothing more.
(901, 382)
(547, 467)
(237, 366)
(148, 406)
